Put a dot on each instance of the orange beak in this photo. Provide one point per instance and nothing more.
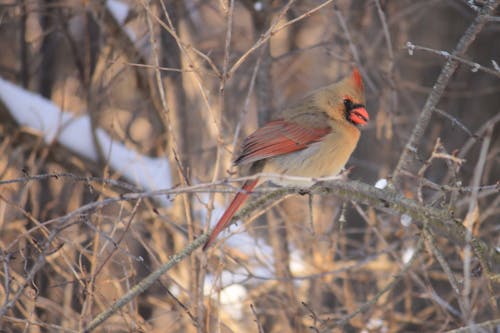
(359, 116)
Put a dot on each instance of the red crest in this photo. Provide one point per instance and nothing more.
(356, 76)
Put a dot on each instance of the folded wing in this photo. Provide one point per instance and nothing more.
(277, 138)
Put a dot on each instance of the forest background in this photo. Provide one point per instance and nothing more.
(119, 122)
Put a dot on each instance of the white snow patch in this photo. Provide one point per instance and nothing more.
(376, 324)
(75, 133)
(406, 220)
(232, 299)
(258, 6)
(232, 294)
(410, 47)
(408, 254)
(175, 290)
(151, 173)
(381, 183)
(297, 264)
(495, 65)
(119, 10)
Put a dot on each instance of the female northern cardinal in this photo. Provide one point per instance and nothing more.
(314, 138)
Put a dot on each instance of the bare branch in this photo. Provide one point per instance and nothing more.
(473, 65)
(449, 68)
(438, 221)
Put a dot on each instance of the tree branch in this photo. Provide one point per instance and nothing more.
(442, 81)
(439, 221)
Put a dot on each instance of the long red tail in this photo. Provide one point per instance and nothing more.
(238, 200)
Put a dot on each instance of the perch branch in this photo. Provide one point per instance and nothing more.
(439, 221)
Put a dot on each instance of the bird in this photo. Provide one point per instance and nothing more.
(313, 138)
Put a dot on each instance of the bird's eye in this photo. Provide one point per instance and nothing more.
(348, 103)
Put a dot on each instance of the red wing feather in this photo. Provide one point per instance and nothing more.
(277, 138)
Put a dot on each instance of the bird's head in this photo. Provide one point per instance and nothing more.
(345, 100)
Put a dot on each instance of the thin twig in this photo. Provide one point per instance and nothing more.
(470, 222)
(38, 265)
(313, 316)
(354, 51)
(329, 324)
(385, 28)
(435, 219)
(454, 121)
(246, 105)
(487, 326)
(440, 221)
(430, 240)
(57, 175)
(263, 39)
(5, 258)
(449, 68)
(473, 65)
(144, 284)
(259, 326)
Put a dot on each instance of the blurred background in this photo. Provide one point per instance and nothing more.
(186, 81)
